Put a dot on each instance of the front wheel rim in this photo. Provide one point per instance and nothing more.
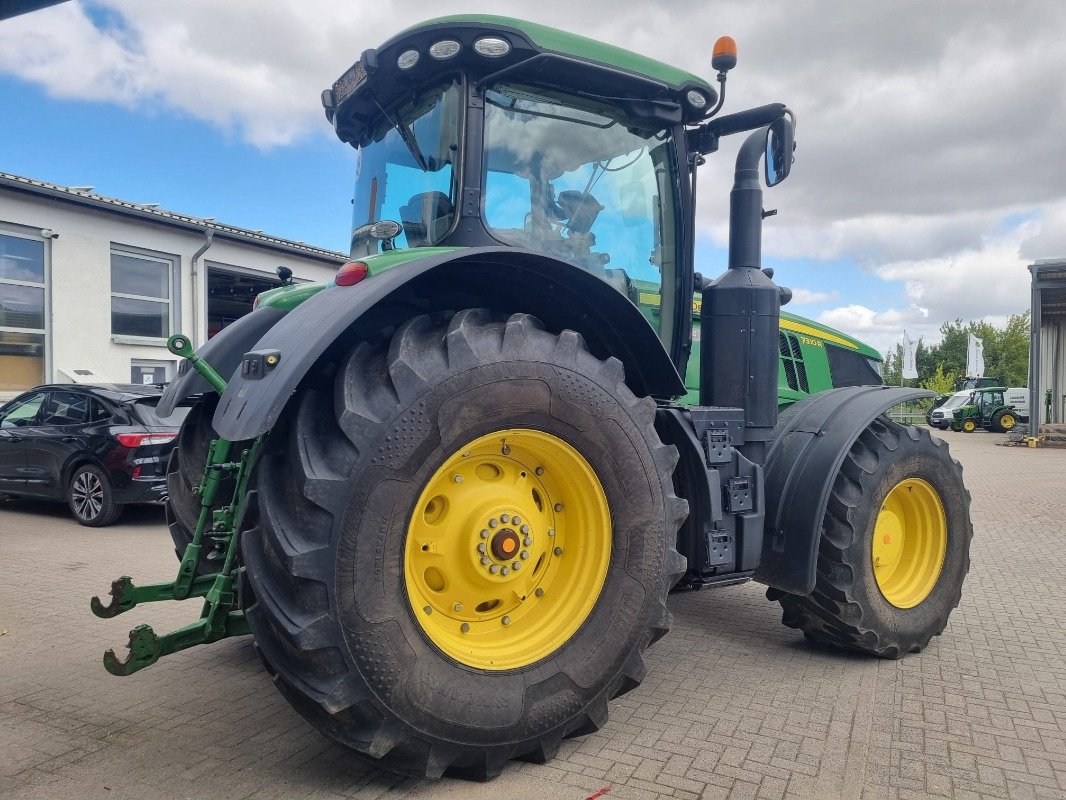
(88, 495)
(909, 543)
(507, 549)
(1007, 421)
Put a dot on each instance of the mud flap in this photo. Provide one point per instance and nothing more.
(810, 442)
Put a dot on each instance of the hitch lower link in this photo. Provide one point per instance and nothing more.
(221, 616)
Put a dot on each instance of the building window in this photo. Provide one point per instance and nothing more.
(23, 313)
(141, 295)
(148, 372)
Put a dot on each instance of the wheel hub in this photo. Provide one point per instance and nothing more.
(507, 549)
(909, 543)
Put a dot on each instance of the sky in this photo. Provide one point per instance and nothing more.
(930, 165)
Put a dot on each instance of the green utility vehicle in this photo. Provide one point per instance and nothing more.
(449, 492)
(986, 409)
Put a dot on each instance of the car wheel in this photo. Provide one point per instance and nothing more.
(91, 499)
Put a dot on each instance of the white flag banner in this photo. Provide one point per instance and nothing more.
(910, 357)
(975, 358)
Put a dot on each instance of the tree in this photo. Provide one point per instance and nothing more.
(940, 382)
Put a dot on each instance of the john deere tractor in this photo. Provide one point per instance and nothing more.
(449, 491)
(985, 408)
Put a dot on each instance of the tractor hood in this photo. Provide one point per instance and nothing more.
(650, 93)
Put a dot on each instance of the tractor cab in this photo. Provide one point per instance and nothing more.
(489, 131)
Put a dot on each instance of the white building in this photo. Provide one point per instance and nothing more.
(91, 287)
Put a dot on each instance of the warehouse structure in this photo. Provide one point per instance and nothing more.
(91, 286)
(1047, 355)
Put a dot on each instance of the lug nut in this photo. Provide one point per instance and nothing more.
(458, 606)
(516, 566)
(558, 551)
(481, 548)
(504, 518)
(465, 627)
(539, 470)
(558, 506)
(524, 554)
(525, 530)
(551, 531)
(539, 592)
(493, 523)
(428, 609)
(458, 479)
(506, 620)
(527, 541)
(484, 534)
(505, 571)
(505, 450)
(484, 559)
(494, 569)
(516, 520)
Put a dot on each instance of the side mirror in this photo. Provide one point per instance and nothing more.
(780, 144)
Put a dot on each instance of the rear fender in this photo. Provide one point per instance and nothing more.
(224, 352)
(503, 279)
(810, 442)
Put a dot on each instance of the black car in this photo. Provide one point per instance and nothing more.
(96, 447)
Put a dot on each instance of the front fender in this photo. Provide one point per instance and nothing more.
(810, 442)
(503, 279)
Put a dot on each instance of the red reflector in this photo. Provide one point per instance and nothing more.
(136, 472)
(141, 439)
(351, 273)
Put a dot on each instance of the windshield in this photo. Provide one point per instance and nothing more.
(577, 184)
(956, 400)
(407, 172)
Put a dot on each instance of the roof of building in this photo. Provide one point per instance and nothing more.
(84, 196)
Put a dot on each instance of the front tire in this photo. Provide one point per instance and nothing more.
(895, 546)
(91, 499)
(969, 425)
(373, 495)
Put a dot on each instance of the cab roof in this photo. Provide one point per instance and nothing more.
(649, 93)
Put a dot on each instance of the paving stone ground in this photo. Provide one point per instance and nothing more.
(734, 705)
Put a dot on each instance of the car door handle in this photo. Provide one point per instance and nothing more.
(12, 439)
(70, 438)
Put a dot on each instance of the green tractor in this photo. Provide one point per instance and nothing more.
(986, 409)
(449, 492)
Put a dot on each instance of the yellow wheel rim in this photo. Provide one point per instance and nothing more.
(507, 549)
(909, 543)
(969, 426)
(1007, 421)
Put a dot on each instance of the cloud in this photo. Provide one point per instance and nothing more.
(923, 130)
(806, 297)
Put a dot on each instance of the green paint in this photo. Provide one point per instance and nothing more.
(574, 46)
(812, 338)
(288, 297)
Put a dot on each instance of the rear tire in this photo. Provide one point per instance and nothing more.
(1004, 421)
(849, 607)
(339, 483)
(90, 497)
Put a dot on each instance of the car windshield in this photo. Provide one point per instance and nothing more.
(956, 400)
(577, 184)
(406, 173)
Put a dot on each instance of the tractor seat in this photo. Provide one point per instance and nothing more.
(426, 218)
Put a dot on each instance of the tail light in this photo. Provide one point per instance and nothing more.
(132, 440)
(351, 273)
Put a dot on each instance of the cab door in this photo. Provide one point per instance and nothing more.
(16, 419)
